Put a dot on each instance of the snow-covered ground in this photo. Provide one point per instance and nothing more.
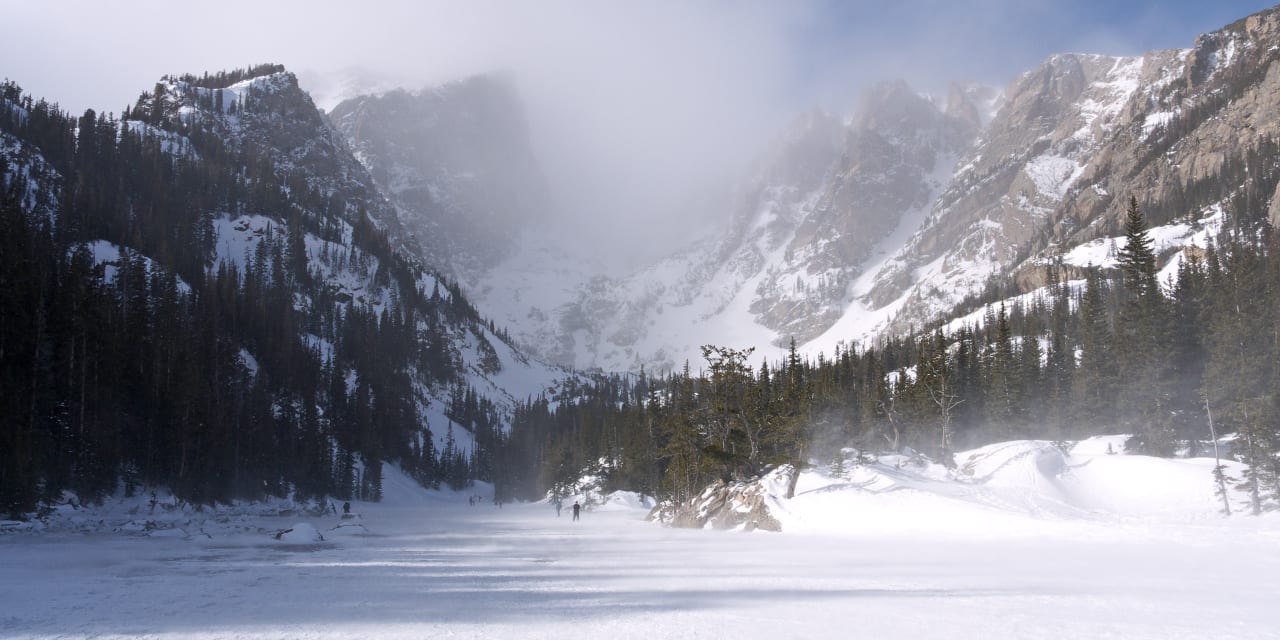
(1015, 546)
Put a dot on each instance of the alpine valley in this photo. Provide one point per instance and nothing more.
(853, 227)
(229, 293)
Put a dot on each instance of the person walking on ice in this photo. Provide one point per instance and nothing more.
(576, 508)
(558, 506)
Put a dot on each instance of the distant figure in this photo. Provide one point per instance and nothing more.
(558, 506)
(346, 508)
(576, 508)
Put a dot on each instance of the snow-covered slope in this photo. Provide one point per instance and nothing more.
(1053, 120)
(1076, 137)
(27, 165)
(852, 227)
(1046, 175)
(1007, 487)
(347, 275)
(824, 204)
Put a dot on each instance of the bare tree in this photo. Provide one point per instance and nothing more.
(939, 381)
(1219, 473)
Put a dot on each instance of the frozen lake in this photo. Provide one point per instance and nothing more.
(1024, 540)
(449, 570)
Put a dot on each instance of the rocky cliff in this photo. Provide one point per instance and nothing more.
(456, 163)
(1075, 138)
(849, 228)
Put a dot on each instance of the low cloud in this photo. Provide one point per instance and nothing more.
(638, 110)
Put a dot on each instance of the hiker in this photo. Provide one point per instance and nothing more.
(558, 506)
(576, 508)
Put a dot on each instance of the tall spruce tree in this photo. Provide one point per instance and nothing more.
(1142, 342)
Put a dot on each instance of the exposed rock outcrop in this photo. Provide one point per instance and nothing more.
(851, 228)
(732, 505)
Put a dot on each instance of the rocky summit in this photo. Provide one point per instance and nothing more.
(847, 228)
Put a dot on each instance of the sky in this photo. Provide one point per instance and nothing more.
(636, 108)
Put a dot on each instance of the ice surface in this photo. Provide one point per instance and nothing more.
(914, 554)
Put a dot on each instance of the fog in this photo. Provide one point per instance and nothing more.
(642, 113)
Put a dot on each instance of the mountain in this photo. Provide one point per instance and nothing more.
(826, 199)
(212, 295)
(1077, 136)
(853, 229)
(1051, 170)
(456, 163)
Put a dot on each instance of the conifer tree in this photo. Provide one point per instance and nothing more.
(1003, 386)
(1142, 342)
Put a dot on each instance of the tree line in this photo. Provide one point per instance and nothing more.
(1119, 352)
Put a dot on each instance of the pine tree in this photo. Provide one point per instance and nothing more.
(1137, 259)
(1142, 342)
(1003, 387)
(1239, 378)
(1095, 380)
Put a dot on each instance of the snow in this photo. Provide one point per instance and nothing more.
(1030, 542)
(238, 237)
(1104, 99)
(1053, 175)
(518, 378)
(22, 160)
(232, 96)
(1222, 58)
(1104, 252)
(858, 321)
(1157, 119)
(300, 533)
(106, 254)
(171, 143)
(250, 362)
(110, 255)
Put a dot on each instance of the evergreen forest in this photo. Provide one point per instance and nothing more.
(160, 370)
(223, 380)
(1112, 352)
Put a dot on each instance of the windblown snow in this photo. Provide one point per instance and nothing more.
(1024, 539)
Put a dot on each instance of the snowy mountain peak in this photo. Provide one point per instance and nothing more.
(455, 161)
(973, 103)
(849, 227)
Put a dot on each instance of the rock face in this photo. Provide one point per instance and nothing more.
(847, 229)
(270, 118)
(732, 505)
(1075, 138)
(896, 152)
(1045, 165)
(455, 161)
(826, 199)
(1052, 122)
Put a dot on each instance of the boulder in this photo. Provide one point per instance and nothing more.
(742, 505)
